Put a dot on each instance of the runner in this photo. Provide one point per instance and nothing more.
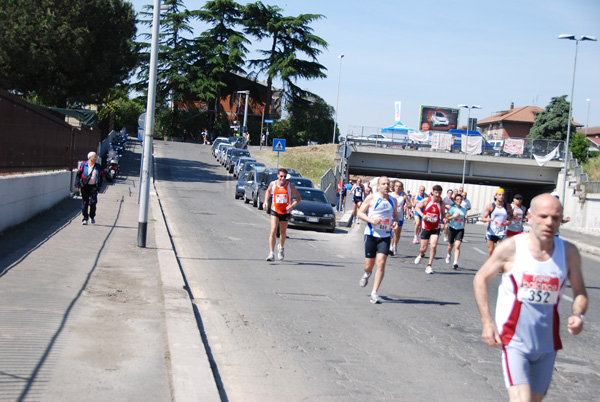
(448, 202)
(281, 190)
(420, 196)
(368, 189)
(380, 213)
(433, 213)
(456, 218)
(519, 217)
(534, 267)
(408, 206)
(358, 195)
(402, 201)
(498, 215)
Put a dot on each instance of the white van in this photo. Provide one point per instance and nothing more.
(496, 144)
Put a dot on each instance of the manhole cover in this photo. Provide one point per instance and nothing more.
(305, 297)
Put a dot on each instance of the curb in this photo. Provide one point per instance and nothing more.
(191, 376)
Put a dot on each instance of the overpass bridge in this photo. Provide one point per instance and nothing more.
(516, 175)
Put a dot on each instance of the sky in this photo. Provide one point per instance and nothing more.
(442, 53)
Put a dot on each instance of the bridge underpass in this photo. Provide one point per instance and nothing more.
(516, 175)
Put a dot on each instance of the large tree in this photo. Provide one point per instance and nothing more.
(222, 48)
(310, 118)
(66, 52)
(176, 60)
(551, 123)
(291, 39)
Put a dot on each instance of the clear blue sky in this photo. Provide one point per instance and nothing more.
(443, 53)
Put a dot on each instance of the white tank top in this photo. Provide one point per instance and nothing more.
(516, 224)
(496, 227)
(383, 209)
(399, 204)
(529, 297)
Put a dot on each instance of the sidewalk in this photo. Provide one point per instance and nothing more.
(88, 315)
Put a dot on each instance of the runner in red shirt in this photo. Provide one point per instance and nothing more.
(433, 213)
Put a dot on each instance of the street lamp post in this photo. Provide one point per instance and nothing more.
(466, 138)
(582, 38)
(341, 56)
(587, 121)
(149, 130)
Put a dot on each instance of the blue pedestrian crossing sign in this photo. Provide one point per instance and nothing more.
(278, 145)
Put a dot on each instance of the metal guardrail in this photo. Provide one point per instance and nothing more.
(592, 187)
(531, 147)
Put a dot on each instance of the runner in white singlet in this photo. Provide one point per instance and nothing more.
(498, 215)
(402, 201)
(534, 268)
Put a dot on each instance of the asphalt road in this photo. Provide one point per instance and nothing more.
(303, 329)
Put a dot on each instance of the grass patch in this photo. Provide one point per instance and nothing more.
(311, 161)
(592, 168)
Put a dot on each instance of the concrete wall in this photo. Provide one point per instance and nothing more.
(24, 196)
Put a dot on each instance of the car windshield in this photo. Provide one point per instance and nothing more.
(240, 152)
(313, 195)
(300, 182)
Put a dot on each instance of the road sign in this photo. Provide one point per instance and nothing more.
(268, 121)
(345, 151)
(278, 145)
(142, 120)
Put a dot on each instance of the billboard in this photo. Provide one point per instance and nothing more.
(437, 118)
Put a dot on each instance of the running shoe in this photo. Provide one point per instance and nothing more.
(429, 270)
(280, 252)
(416, 240)
(445, 238)
(84, 222)
(363, 281)
(395, 250)
(448, 259)
(357, 222)
(93, 220)
(375, 298)
(455, 267)
(271, 256)
(418, 259)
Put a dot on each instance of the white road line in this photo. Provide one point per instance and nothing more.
(479, 251)
(568, 298)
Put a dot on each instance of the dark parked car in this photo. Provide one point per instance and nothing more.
(267, 176)
(239, 187)
(314, 211)
(251, 185)
(233, 157)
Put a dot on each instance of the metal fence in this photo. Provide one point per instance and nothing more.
(592, 187)
(31, 139)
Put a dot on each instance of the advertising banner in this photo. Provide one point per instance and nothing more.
(437, 118)
(514, 146)
(397, 110)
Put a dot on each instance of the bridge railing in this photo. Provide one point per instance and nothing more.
(372, 136)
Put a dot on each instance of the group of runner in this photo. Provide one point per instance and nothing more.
(535, 266)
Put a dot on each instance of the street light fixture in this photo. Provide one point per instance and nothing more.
(341, 56)
(582, 38)
(466, 138)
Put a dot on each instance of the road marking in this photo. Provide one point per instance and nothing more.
(568, 298)
(479, 251)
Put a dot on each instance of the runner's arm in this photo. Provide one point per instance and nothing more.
(487, 212)
(296, 194)
(267, 196)
(493, 265)
(580, 300)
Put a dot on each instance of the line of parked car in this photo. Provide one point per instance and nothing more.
(253, 178)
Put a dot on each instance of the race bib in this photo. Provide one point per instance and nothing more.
(498, 223)
(384, 225)
(429, 217)
(459, 221)
(539, 289)
(518, 219)
(281, 198)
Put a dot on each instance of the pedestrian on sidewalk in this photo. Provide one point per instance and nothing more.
(88, 182)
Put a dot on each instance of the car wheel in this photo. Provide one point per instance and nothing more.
(254, 203)
(246, 200)
(260, 204)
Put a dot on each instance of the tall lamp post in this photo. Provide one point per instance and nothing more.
(587, 121)
(467, 138)
(149, 131)
(582, 38)
(341, 56)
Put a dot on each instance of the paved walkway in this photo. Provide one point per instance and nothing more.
(86, 315)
